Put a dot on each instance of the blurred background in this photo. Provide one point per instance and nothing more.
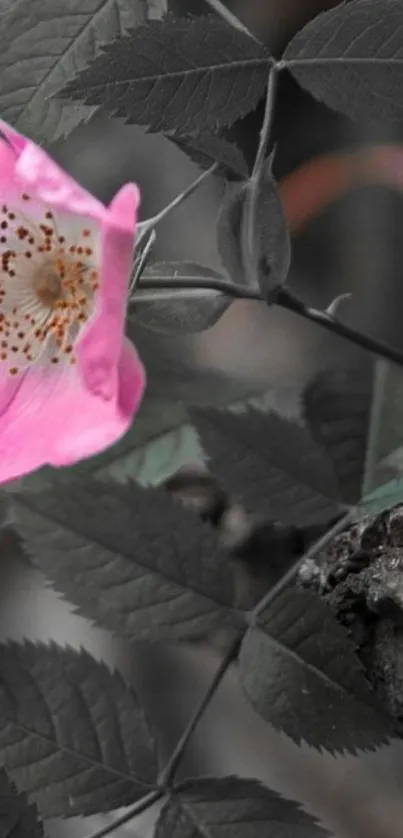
(352, 243)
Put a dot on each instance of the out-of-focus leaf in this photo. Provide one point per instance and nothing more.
(270, 464)
(72, 734)
(233, 807)
(43, 43)
(385, 440)
(351, 58)
(300, 672)
(177, 74)
(132, 559)
(156, 9)
(337, 408)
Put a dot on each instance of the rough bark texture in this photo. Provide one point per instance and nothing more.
(360, 574)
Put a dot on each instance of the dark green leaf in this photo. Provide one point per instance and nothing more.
(337, 408)
(178, 74)
(132, 559)
(351, 58)
(17, 818)
(206, 149)
(178, 311)
(72, 734)
(45, 42)
(300, 672)
(270, 464)
(234, 808)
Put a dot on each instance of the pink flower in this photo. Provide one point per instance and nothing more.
(70, 382)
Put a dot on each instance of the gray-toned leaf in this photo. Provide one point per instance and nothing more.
(182, 310)
(271, 238)
(43, 43)
(72, 734)
(18, 819)
(233, 807)
(268, 463)
(206, 149)
(229, 232)
(178, 74)
(337, 409)
(386, 437)
(132, 559)
(351, 58)
(300, 672)
(272, 245)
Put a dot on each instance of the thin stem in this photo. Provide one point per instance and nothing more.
(252, 194)
(137, 809)
(150, 223)
(286, 300)
(313, 551)
(229, 17)
(225, 286)
(167, 776)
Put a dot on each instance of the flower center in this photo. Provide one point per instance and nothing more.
(48, 285)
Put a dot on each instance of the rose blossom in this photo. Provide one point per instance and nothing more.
(70, 381)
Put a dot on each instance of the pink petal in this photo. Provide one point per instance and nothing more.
(18, 141)
(28, 168)
(47, 416)
(100, 345)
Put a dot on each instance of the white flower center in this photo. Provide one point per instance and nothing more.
(48, 285)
